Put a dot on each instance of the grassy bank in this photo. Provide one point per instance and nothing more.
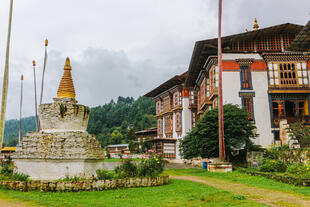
(177, 193)
(238, 177)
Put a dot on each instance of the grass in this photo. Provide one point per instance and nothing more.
(177, 193)
(238, 177)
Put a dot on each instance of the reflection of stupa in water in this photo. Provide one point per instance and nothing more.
(63, 147)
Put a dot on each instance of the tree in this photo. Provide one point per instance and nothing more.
(202, 141)
(301, 133)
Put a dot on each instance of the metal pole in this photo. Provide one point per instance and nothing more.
(5, 78)
(220, 96)
(35, 95)
(20, 110)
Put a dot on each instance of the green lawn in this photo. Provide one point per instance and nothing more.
(177, 193)
(238, 177)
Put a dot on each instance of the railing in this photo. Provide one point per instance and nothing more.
(291, 119)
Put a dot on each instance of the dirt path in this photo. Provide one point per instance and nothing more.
(13, 203)
(261, 195)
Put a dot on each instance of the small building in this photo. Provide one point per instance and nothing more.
(7, 152)
(117, 149)
(146, 134)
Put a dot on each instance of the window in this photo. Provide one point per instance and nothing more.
(178, 119)
(245, 76)
(247, 104)
(180, 98)
(160, 127)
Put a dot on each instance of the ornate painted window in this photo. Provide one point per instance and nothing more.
(288, 74)
(178, 120)
(245, 77)
(247, 103)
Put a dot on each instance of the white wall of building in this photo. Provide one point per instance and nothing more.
(232, 87)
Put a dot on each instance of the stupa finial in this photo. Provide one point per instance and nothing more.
(66, 87)
(255, 26)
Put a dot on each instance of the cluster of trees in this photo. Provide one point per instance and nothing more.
(112, 123)
(115, 122)
(11, 131)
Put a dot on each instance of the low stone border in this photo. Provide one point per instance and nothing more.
(85, 185)
(280, 178)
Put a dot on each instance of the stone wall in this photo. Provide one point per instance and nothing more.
(85, 185)
(59, 145)
(63, 115)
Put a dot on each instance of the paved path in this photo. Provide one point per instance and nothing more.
(261, 195)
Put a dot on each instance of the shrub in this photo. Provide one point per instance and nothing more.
(74, 179)
(104, 174)
(127, 169)
(7, 166)
(20, 177)
(299, 170)
(151, 165)
(273, 166)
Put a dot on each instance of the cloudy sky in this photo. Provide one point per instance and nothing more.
(120, 47)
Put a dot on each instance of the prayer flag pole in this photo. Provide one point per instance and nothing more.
(20, 111)
(5, 78)
(44, 66)
(35, 95)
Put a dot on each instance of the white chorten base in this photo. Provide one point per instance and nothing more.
(48, 169)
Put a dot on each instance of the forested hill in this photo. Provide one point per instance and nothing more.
(11, 130)
(109, 122)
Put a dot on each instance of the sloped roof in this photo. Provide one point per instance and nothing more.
(302, 40)
(176, 80)
(204, 48)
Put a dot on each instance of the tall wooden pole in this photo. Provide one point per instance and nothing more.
(44, 66)
(5, 78)
(220, 96)
(20, 110)
(35, 95)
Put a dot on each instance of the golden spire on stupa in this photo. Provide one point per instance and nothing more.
(66, 87)
(255, 26)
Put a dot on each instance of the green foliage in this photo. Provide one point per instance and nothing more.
(104, 174)
(7, 167)
(273, 166)
(301, 132)
(116, 122)
(74, 178)
(19, 177)
(287, 155)
(11, 130)
(299, 170)
(202, 141)
(127, 169)
(151, 165)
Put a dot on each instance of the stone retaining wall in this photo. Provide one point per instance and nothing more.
(85, 185)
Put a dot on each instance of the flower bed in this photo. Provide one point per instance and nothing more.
(84, 185)
(298, 181)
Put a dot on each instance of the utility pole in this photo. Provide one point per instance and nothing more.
(20, 110)
(5, 78)
(220, 96)
(35, 94)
